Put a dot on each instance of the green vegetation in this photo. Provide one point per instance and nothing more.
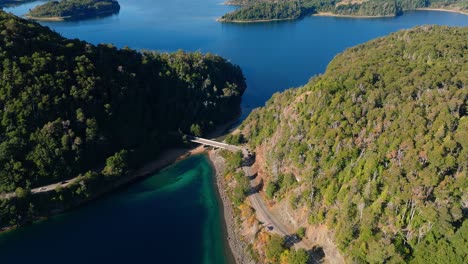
(235, 139)
(67, 106)
(72, 9)
(274, 247)
(379, 143)
(11, 3)
(263, 10)
(301, 232)
(299, 256)
(276, 251)
(239, 192)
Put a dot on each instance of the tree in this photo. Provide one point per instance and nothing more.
(117, 164)
(196, 130)
(299, 256)
(271, 189)
(274, 248)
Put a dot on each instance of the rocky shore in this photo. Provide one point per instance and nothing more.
(237, 245)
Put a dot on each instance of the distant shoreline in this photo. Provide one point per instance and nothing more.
(74, 17)
(330, 14)
(222, 20)
(54, 19)
(441, 10)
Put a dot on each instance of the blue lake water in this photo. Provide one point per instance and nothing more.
(273, 56)
(173, 216)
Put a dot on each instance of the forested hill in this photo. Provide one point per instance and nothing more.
(257, 10)
(73, 9)
(67, 105)
(378, 148)
(8, 3)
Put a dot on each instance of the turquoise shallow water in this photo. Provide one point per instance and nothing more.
(171, 217)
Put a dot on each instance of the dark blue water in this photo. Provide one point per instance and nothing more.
(171, 217)
(273, 56)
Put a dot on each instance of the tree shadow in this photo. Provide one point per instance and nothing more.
(255, 189)
(248, 161)
(290, 240)
(316, 255)
(252, 177)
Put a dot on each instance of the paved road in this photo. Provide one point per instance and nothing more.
(269, 220)
(51, 187)
(263, 215)
(46, 188)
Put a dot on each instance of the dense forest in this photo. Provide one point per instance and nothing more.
(252, 10)
(269, 11)
(68, 107)
(376, 148)
(10, 3)
(72, 9)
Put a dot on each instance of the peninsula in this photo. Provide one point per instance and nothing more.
(95, 114)
(73, 9)
(271, 10)
(11, 3)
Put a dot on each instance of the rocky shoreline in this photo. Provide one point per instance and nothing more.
(236, 244)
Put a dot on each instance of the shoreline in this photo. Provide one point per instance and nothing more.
(330, 14)
(75, 17)
(222, 20)
(441, 10)
(47, 19)
(232, 236)
(165, 159)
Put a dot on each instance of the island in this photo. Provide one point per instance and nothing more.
(273, 10)
(73, 9)
(11, 3)
(367, 163)
(78, 120)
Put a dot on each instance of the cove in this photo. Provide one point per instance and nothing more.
(171, 217)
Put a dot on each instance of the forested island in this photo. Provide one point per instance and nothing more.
(73, 9)
(10, 3)
(268, 10)
(69, 108)
(374, 150)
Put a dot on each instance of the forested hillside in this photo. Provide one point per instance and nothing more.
(252, 10)
(74, 9)
(376, 148)
(8, 3)
(67, 105)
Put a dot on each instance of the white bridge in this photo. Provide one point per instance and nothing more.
(215, 144)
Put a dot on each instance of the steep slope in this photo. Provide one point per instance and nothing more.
(376, 148)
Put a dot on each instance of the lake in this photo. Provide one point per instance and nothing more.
(273, 56)
(174, 216)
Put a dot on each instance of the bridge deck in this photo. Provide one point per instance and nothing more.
(216, 144)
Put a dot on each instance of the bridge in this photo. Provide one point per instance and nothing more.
(215, 144)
